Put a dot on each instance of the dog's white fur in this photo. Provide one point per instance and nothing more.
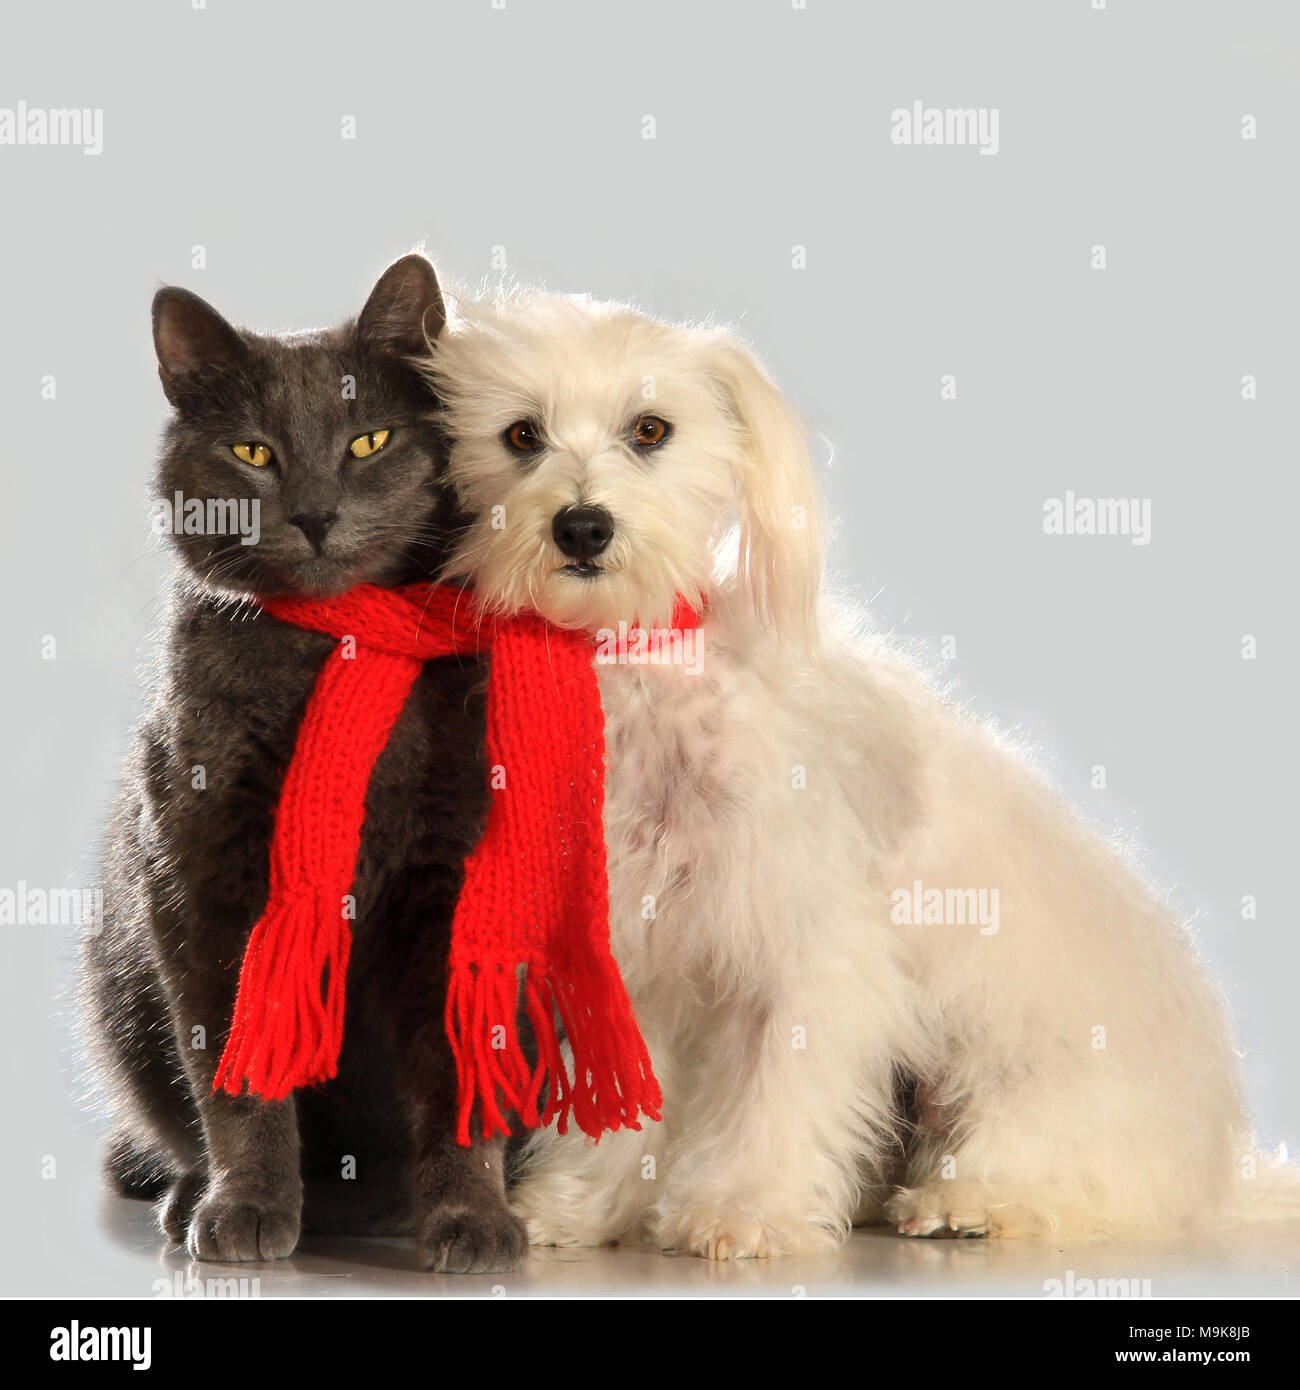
(1073, 1070)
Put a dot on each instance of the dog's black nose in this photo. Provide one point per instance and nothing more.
(313, 525)
(582, 532)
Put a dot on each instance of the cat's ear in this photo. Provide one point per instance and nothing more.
(405, 311)
(192, 341)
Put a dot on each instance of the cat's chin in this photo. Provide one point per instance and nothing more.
(323, 577)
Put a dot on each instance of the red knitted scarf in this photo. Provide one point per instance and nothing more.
(535, 894)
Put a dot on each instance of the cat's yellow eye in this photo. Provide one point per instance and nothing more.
(256, 454)
(366, 444)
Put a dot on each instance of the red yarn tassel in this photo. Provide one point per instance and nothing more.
(613, 1082)
(288, 1024)
(610, 1083)
(482, 1002)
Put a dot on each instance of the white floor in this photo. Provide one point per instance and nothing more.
(134, 1260)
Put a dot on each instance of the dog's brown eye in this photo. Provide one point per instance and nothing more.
(649, 430)
(524, 437)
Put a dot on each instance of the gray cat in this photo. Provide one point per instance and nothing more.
(331, 435)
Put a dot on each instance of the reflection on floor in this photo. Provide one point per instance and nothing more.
(1256, 1261)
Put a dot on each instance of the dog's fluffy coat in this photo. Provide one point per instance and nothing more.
(1070, 1073)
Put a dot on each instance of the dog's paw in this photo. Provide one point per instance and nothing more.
(177, 1206)
(230, 1227)
(549, 1232)
(955, 1210)
(557, 1214)
(461, 1239)
(721, 1234)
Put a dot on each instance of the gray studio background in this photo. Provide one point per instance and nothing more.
(521, 128)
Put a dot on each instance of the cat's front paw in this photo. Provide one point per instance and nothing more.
(462, 1239)
(230, 1227)
(177, 1206)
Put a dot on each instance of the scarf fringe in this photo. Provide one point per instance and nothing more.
(287, 1029)
(611, 1084)
(535, 897)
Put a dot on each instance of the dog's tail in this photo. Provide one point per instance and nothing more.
(1268, 1188)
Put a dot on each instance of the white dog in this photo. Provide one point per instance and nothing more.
(880, 969)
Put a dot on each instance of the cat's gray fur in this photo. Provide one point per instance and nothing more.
(186, 867)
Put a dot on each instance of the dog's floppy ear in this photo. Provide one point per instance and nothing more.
(780, 553)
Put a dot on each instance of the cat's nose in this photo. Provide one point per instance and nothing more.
(314, 525)
(582, 532)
